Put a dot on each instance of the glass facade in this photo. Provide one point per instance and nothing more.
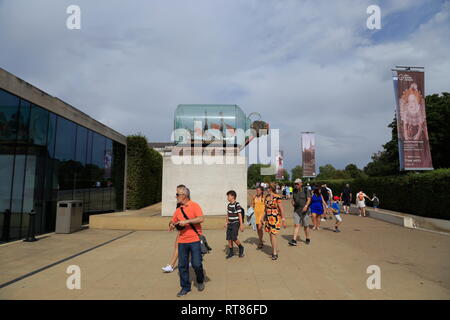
(45, 158)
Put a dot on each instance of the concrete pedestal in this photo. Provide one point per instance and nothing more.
(208, 184)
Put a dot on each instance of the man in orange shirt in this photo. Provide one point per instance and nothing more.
(188, 240)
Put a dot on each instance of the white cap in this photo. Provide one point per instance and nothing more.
(298, 181)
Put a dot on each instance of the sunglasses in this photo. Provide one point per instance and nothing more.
(179, 194)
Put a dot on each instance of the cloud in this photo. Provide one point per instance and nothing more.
(304, 65)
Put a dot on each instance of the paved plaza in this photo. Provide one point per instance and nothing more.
(127, 265)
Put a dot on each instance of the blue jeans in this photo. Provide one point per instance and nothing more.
(184, 249)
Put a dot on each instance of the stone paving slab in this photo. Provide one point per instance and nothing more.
(414, 265)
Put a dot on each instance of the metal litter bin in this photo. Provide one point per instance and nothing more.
(69, 216)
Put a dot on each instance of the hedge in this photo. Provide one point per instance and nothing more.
(144, 173)
(423, 194)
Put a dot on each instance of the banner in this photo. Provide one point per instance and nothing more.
(279, 166)
(308, 155)
(413, 143)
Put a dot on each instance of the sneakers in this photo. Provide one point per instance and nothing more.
(308, 241)
(337, 230)
(274, 256)
(241, 251)
(167, 268)
(293, 242)
(200, 286)
(182, 293)
(230, 253)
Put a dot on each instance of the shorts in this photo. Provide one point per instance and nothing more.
(338, 217)
(301, 218)
(346, 202)
(233, 231)
(361, 204)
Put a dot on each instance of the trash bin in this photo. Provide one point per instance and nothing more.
(69, 216)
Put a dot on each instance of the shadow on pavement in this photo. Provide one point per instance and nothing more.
(255, 241)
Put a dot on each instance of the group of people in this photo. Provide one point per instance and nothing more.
(316, 202)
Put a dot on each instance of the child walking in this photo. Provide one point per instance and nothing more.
(375, 201)
(337, 213)
(234, 224)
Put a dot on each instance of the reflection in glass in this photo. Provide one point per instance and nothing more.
(45, 158)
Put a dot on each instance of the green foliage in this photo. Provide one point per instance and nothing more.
(438, 120)
(386, 162)
(328, 172)
(424, 194)
(254, 175)
(353, 172)
(118, 166)
(297, 173)
(285, 175)
(144, 173)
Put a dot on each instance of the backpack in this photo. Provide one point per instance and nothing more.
(242, 213)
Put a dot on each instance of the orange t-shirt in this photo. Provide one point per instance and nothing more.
(192, 210)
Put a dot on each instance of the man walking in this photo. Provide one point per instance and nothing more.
(187, 218)
(301, 200)
(346, 197)
(326, 196)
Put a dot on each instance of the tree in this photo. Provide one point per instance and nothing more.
(285, 175)
(326, 172)
(254, 174)
(438, 120)
(144, 173)
(386, 162)
(352, 171)
(297, 173)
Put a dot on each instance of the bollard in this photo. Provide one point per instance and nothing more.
(30, 236)
(6, 225)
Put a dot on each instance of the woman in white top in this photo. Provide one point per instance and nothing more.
(361, 203)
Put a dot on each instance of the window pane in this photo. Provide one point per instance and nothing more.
(97, 172)
(65, 164)
(6, 174)
(38, 126)
(24, 117)
(82, 175)
(9, 114)
(51, 180)
(65, 140)
(117, 175)
(51, 135)
(17, 192)
(108, 159)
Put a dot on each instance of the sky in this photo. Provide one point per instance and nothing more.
(308, 65)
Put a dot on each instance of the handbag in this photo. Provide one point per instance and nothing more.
(204, 247)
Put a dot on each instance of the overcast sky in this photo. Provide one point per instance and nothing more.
(303, 65)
